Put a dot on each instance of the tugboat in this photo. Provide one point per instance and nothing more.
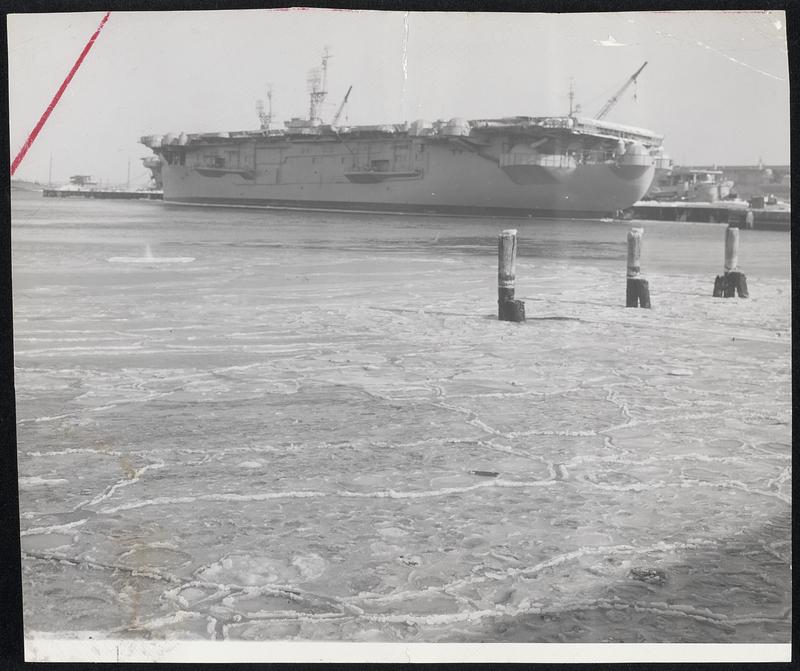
(690, 184)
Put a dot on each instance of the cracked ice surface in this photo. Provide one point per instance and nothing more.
(318, 430)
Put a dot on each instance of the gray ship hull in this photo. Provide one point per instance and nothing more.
(444, 179)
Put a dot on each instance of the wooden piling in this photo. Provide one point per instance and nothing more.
(637, 291)
(506, 265)
(634, 251)
(741, 285)
(511, 311)
(732, 281)
(508, 309)
(731, 249)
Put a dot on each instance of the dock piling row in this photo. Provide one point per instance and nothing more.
(637, 291)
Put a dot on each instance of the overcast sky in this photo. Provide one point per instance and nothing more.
(716, 84)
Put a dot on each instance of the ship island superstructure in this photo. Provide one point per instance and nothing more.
(519, 166)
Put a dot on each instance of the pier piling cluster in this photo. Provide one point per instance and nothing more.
(732, 281)
(637, 292)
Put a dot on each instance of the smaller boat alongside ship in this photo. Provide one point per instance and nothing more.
(691, 184)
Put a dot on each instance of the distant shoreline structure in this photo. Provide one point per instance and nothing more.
(104, 194)
(83, 186)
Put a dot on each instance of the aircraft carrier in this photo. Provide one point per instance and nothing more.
(553, 166)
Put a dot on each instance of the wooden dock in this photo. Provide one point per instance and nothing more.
(107, 194)
(738, 214)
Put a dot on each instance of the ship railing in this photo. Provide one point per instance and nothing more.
(636, 159)
(572, 159)
(542, 160)
(595, 156)
(603, 156)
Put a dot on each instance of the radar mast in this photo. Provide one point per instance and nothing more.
(573, 108)
(265, 116)
(317, 87)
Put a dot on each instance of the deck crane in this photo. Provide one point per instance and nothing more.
(336, 120)
(613, 100)
(341, 107)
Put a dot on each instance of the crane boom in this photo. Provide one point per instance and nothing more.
(613, 100)
(341, 107)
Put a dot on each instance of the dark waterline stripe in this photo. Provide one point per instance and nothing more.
(386, 208)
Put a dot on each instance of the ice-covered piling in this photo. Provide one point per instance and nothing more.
(508, 309)
(731, 249)
(637, 292)
(732, 280)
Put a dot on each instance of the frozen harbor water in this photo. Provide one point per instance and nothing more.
(284, 426)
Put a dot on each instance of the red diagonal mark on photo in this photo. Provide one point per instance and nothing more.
(57, 96)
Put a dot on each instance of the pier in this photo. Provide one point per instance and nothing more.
(734, 213)
(107, 194)
(85, 186)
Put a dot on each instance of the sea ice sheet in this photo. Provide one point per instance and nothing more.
(268, 443)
